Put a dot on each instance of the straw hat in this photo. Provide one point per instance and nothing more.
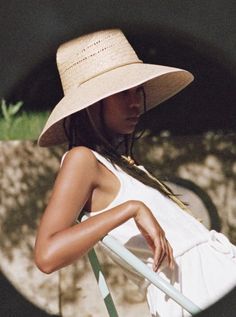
(98, 65)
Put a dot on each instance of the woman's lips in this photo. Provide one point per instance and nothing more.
(133, 119)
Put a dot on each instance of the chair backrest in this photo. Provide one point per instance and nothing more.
(198, 199)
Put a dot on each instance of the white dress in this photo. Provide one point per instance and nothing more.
(205, 261)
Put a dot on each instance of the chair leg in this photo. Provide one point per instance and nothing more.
(99, 275)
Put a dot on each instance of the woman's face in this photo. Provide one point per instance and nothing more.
(121, 111)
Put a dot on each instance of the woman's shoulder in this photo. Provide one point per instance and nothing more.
(79, 157)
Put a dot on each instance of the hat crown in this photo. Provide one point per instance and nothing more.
(88, 56)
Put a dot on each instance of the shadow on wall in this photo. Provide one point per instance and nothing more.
(207, 104)
(208, 160)
(28, 174)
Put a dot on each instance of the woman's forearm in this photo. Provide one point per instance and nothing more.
(66, 246)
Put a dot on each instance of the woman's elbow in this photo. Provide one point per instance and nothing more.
(44, 262)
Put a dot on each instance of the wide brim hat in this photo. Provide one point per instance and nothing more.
(100, 64)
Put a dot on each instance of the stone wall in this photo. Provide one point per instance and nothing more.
(209, 160)
(27, 176)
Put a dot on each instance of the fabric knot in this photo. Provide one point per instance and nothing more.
(221, 243)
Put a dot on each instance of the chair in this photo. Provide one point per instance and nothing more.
(117, 248)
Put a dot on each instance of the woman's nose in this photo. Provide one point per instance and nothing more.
(134, 100)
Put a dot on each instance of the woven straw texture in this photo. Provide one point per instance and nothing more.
(98, 65)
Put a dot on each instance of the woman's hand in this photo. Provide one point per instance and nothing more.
(154, 235)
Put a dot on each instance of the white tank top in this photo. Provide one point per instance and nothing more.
(182, 230)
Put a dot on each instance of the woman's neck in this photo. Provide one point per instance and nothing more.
(118, 142)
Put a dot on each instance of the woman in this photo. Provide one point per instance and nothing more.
(106, 89)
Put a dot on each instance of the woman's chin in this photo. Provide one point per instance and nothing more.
(128, 131)
(123, 130)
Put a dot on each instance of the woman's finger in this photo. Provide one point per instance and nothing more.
(170, 256)
(172, 260)
(165, 251)
(157, 253)
(168, 251)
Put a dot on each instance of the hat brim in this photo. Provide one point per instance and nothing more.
(160, 83)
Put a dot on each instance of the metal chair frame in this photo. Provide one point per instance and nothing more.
(138, 266)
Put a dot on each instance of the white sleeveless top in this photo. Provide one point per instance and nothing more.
(181, 229)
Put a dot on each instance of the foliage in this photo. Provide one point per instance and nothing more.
(20, 125)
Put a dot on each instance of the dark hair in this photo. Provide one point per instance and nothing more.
(80, 129)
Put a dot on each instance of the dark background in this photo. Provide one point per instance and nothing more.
(196, 35)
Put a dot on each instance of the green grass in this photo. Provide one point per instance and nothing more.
(24, 126)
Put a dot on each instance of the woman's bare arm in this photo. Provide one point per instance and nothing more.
(60, 241)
